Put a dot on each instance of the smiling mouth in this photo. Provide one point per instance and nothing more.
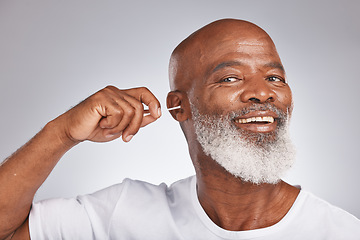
(263, 121)
(256, 120)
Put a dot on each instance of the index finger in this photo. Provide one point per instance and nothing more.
(145, 96)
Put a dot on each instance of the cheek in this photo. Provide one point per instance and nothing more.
(223, 98)
(285, 97)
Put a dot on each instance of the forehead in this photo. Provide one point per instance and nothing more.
(241, 51)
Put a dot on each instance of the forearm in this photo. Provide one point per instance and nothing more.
(24, 172)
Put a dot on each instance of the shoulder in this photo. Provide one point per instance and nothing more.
(318, 205)
(138, 196)
(150, 206)
(318, 212)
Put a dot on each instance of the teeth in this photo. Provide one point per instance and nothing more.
(255, 119)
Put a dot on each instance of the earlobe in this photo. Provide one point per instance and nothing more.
(177, 102)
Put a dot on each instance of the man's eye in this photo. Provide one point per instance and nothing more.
(275, 79)
(229, 79)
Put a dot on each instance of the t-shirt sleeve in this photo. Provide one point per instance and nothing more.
(83, 217)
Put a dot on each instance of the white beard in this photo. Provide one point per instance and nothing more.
(253, 157)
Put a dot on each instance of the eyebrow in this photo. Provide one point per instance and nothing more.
(237, 63)
(275, 65)
(227, 64)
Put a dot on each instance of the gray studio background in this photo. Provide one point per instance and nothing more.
(53, 54)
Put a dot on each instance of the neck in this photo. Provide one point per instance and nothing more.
(236, 205)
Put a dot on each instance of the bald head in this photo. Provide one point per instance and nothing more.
(193, 58)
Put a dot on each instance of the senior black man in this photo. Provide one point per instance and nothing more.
(235, 104)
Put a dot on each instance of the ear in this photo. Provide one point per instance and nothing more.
(175, 99)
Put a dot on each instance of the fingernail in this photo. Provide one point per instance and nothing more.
(110, 135)
(128, 138)
(159, 112)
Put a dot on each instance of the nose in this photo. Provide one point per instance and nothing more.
(257, 91)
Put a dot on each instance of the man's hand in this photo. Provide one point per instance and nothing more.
(110, 113)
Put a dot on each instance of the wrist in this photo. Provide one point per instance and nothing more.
(60, 134)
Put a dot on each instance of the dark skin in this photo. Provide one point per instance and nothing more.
(227, 66)
(222, 67)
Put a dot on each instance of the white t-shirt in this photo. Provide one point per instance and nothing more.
(139, 210)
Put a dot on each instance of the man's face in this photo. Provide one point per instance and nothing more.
(234, 73)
